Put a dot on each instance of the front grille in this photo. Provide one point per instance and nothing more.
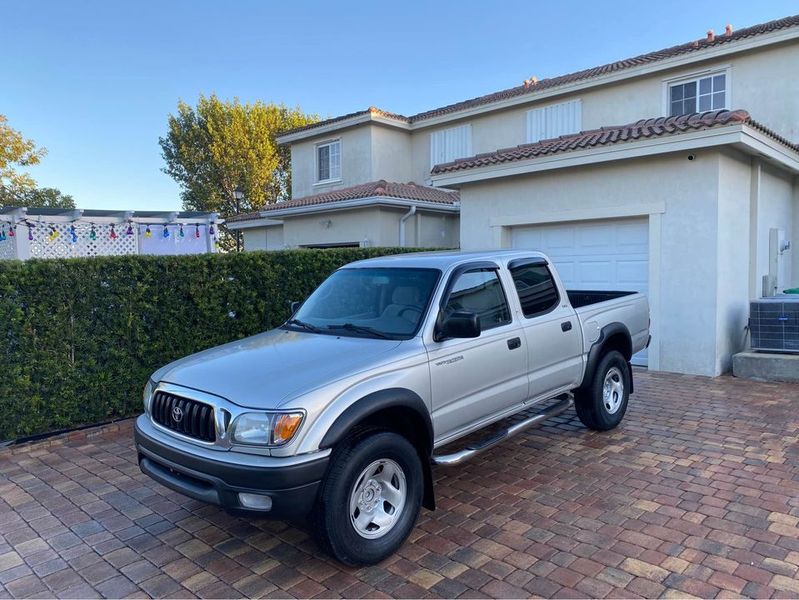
(196, 418)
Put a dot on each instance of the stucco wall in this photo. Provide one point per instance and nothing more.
(795, 238)
(776, 211)
(263, 238)
(356, 157)
(758, 84)
(354, 225)
(687, 235)
(391, 154)
(438, 231)
(379, 226)
(732, 281)
(430, 230)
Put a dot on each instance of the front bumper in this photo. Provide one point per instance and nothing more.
(217, 477)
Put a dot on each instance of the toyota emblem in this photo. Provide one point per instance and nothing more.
(177, 414)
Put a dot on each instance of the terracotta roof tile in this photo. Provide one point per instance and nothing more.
(372, 109)
(643, 59)
(379, 189)
(605, 136)
(585, 74)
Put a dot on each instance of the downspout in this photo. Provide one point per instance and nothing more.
(404, 218)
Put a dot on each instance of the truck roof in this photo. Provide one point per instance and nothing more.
(442, 260)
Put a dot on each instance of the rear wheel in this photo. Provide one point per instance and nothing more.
(370, 499)
(602, 404)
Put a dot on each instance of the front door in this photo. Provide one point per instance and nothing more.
(476, 379)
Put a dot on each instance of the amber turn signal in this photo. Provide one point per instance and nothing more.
(285, 427)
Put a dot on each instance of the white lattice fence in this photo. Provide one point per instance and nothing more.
(55, 240)
(8, 250)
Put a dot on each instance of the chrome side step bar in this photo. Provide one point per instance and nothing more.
(500, 436)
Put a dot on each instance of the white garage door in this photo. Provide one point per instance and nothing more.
(594, 255)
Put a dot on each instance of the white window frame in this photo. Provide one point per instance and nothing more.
(667, 83)
(577, 102)
(468, 151)
(330, 179)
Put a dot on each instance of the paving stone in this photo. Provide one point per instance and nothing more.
(690, 496)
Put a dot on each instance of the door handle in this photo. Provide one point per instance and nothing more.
(514, 343)
(566, 326)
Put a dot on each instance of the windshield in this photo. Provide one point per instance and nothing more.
(368, 302)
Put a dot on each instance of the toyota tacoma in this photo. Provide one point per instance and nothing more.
(341, 413)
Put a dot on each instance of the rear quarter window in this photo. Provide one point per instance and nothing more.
(536, 289)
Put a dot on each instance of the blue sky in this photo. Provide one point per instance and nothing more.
(94, 81)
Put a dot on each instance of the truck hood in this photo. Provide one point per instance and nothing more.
(267, 369)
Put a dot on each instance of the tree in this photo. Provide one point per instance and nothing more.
(47, 198)
(16, 151)
(219, 145)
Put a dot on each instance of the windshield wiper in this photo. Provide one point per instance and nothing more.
(303, 325)
(360, 329)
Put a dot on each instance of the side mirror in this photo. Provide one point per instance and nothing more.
(458, 325)
(295, 306)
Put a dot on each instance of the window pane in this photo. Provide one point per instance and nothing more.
(390, 300)
(479, 292)
(335, 160)
(704, 103)
(536, 289)
(689, 90)
(323, 153)
(719, 83)
(718, 100)
(704, 85)
(676, 92)
(676, 108)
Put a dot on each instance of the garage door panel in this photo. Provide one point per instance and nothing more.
(596, 237)
(566, 271)
(558, 238)
(633, 238)
(595, 272)
(633, 272)
(599, 255)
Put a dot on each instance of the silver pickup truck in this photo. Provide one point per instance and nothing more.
(340, 413)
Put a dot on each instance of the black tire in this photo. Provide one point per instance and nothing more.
(332, 518)
(590, 403)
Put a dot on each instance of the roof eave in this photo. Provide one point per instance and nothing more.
(370, 201)
(740, 135)
(765, 39)
(335, 126)
(415, 122)
(253, 222)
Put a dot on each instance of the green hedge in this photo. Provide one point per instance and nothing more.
(80, 336)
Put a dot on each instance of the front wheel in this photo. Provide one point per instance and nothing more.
(602, 404)
(370, 499)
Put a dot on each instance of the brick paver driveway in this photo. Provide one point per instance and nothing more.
(697, 492)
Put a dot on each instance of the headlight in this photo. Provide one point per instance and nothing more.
(266, 429)
(147, 394)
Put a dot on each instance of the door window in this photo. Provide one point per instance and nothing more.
(479, 291)
(537, 291)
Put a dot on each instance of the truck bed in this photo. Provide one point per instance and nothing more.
(580, 298)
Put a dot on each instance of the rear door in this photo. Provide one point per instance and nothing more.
(551, 330)
(608, 254)
(475, 379)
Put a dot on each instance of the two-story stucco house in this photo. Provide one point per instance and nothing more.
(673, 173)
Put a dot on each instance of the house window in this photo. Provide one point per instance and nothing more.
(554, 120)
(328, 161)
(698, 95)
(450, 144)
